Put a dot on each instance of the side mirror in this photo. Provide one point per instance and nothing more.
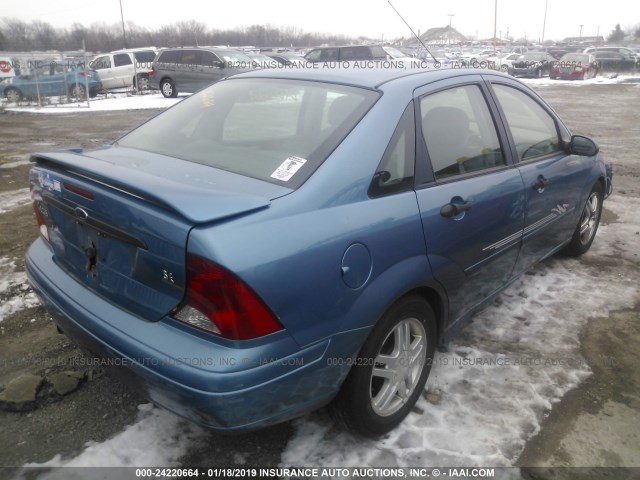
(584, 146)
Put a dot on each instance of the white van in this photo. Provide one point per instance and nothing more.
(117, 69)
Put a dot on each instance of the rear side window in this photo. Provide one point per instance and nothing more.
(459, 132)
(170, 56)
(122, 59)
(274, 130)
(533, 129)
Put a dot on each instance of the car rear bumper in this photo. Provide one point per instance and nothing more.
(212, 382)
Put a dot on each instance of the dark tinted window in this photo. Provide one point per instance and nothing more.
(170, 56)
(209, 59)
(274, 130)
(355, 53)
(459, 132)
(190, 57)
(145, 58)
(121, 59)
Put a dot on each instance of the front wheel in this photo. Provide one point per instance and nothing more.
(168, 89)
(13, 95)
(391, 370)
(587, 226)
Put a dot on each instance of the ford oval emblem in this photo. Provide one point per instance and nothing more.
(80, 213)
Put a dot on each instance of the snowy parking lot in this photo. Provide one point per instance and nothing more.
(489, 396)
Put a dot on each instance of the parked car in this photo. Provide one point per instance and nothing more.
(504, 63)
(262, 61)
(288, 238)
(287, 59)
(575, 66)
(51, 79)
(532, 64)
(125, 68)
(347, 53)
(624, 51)
(190, 69)
(609, 60)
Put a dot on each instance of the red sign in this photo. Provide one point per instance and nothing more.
(5, 67)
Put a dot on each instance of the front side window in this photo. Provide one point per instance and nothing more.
(101, 63)
(459, 132)
(532, 128)
(279, 131)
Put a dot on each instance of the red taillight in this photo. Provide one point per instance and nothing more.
(220, 302)
(151, 72)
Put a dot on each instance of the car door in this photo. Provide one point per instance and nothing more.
(469, 194)
(105, 71)
(123, 69)
(210, 69)
(187, 75)
(553, 180)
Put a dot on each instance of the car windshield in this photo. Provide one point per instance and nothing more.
(279, 131)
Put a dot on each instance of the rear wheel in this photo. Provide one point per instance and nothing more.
(587, 226)
(141, 82)
(390, 371)
(168, 89)
(13, 94)
(78, 91)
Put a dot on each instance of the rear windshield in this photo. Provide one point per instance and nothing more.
(275, 130)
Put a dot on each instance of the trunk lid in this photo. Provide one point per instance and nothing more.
(119, 219)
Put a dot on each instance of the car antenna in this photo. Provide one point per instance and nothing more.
(414, 33)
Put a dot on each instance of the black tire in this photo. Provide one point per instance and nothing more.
(373, 401)
(588, 223)
(13, 95)
(78, 91)
(168, 88)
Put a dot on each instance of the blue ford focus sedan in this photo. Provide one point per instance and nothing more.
(284, 240)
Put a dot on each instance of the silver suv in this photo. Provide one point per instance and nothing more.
(125, 68)
(189, 69)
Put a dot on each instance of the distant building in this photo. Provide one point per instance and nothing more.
(438, 36)
(579, 40)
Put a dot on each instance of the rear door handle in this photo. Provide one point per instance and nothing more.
(452, 209)
(540, 183)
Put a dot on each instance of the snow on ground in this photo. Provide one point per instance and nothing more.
(604, 79)
(157, 439)
(13, 199)
(114, 101)
(484, 398)
(15, 292)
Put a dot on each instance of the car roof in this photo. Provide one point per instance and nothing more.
(371, 78)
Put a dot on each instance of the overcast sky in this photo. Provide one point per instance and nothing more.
(373, 18)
